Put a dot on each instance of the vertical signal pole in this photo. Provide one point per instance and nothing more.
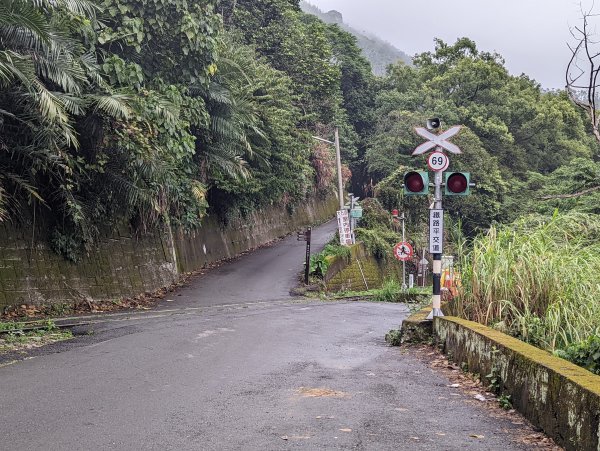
(402, 218)
(437, 257)
(307, 235)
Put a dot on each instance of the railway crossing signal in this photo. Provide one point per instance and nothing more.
(416, 183)
(440, 141)
(457, 183)
(454, 183)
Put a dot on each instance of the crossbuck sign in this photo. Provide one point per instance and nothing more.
(440, 140)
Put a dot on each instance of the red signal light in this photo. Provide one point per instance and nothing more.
(414, 182)
(457, 183)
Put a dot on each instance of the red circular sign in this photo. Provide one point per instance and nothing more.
(438, 162)
(403, 251)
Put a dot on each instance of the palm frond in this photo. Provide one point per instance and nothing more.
(198, 191)
(79, 7)
(18, 15)
(14, 66)
(114, 105)
(226, 158)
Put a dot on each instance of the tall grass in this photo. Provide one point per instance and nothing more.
(538, 279)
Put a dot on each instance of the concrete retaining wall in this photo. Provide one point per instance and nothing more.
(558, 396)
(213, 243)
(350, 274)
(124, 264)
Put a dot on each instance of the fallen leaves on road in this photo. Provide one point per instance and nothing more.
(321, 393)
(469, 384)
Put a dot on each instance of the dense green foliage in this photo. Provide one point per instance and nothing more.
(585, 353)
(376, 230)
(158, 112)
(319, 263)
(516, 138)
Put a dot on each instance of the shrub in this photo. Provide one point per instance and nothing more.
(374, 215)
(319, 263)
(379, 241)
(585, 353)
(390, 291)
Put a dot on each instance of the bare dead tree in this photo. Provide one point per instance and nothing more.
(583, 70)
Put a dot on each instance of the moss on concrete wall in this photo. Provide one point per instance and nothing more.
(416, 328)
(350, 274)
(214, 242)
(558, 396)
(124, 265)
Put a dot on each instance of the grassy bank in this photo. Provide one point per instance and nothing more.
(538, 280)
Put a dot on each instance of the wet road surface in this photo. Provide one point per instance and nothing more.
(234, 365)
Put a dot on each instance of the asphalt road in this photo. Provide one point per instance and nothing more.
(246, 368)
(266, 274)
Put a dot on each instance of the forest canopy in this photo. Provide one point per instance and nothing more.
(155, 113)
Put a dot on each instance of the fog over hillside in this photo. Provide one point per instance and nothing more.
(379, 52)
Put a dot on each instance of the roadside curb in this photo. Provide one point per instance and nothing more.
(557, 396)
(417, 328)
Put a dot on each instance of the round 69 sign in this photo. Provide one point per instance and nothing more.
(438, 161)
(403, 251)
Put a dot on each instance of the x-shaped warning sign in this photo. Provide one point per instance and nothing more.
(440, 140)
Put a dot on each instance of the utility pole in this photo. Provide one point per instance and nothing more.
(338, 159)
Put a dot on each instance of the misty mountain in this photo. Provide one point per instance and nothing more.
(379, 52)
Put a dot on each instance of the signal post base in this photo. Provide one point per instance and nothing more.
(435, 312)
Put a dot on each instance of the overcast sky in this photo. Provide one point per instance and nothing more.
(531, 35)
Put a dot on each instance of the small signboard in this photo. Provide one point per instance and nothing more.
(356, 212)
(344, 228)
(438, 162)
(436, 231)
(403, 251)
